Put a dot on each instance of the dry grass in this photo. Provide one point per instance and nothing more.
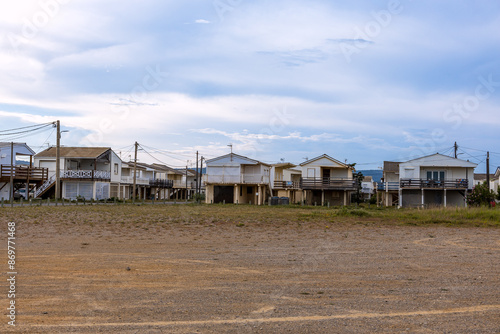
(139, 215)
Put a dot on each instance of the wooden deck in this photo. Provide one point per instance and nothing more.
(434, 184)
(23, 174)
(318, 183)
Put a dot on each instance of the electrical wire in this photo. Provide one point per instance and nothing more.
(26, 127)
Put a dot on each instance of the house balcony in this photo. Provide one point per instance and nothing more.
(277, 184)
(156, 183)
(178, 184)
(319, 183)
(23, 174)
(86, 175)
(434, 184)
(237, 179)
(388, 186)
(138, 180)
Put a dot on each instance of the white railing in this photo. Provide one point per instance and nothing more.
(255, 178)
(45, 185)
(85, 174)
(234, 179)
(138, 180)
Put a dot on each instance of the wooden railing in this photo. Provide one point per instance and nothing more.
(161, 183)
(434, 184)
(387, 186)
(318, 183)
(286, 184)
(24, 173)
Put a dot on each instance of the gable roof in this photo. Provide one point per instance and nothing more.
(234, 155)
(25, 149)
(440, 160)
(326, 156)
(74, 152)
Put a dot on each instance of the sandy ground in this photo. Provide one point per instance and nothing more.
(210, 277)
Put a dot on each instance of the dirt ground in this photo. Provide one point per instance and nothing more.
(229, 277)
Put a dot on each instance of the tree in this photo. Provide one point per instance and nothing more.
(481, 195)
(358, 178)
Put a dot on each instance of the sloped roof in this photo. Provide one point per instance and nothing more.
(284, 165)
(327, 157)
(391, 166)
(482, 176)
(27, 151)
(253, 161)
(440, 160)
(74, 152)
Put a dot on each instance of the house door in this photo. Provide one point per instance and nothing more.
(326, 176)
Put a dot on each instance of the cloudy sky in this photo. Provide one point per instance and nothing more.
(365, 81)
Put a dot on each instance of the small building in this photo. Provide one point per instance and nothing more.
(326, 180)
(286, 181)
(435, 180)
(368, 187)
(480, 178)
(233, 178)
(85, 172)
(25, 177)
(388, 187)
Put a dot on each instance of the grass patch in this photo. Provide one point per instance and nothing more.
(119, 216)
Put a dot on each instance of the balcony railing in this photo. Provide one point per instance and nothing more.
(318, 183)
(161, 183)
(387, 186)
(236, 179)
(24, 173)
(138, 180)
(434, 184)
(86, 174)
(286, 184)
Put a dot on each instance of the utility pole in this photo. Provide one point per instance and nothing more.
(12, 173)
(456, 148)
(201, 173)
(187, 180)
(488, 170)
(196, 191)
(135, 172)
(58, 157)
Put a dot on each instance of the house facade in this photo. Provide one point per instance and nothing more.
(24, 176)
(85, 172)
(368, 187)
(388, 187)
(435, 180)
(233, 178)
(326, 180)
(285, 181)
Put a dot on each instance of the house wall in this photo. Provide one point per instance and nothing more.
(315, 169)
(115, 177)
(391, 177)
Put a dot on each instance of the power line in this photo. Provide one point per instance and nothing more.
(26, 127)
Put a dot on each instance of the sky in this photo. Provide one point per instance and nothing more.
(361, 81)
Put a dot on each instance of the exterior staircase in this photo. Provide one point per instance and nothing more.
(46, 186)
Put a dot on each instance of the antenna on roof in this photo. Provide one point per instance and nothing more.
(306, 158)
(231, 146)
(282, 160)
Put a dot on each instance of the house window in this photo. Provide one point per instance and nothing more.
(116, 169)
(435, 175)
